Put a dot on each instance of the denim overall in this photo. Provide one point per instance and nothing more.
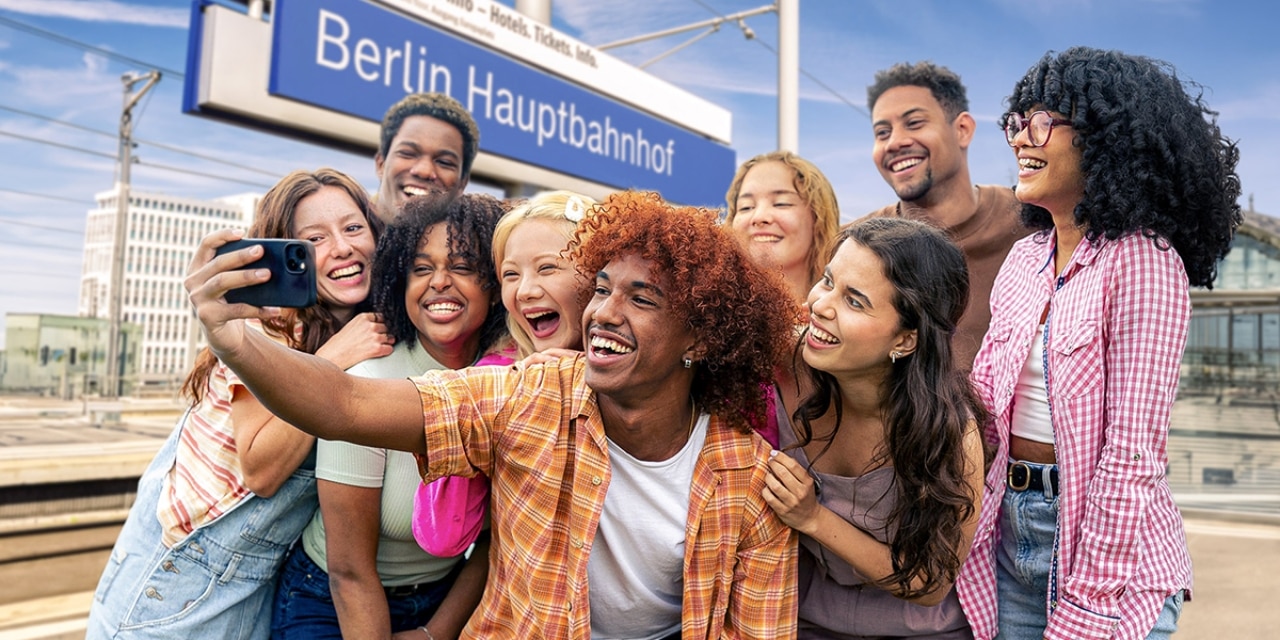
(218, 582)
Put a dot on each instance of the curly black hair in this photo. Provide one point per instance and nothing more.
(1154, 160)
(928, 403)
(470, 219)
(434, 105)
(942, 82)
(737, 311)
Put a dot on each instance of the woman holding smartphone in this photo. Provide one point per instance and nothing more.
(231, 489)
(360, 572)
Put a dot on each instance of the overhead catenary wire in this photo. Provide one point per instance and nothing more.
(158, 145)
(46, 196)
(51, 143)
(84, 46)
(856, 107)
(166, 167)
(24, 223)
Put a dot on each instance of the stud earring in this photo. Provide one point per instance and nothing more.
(687, 362)
(893, 356)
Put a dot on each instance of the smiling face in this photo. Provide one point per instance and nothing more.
(445, 301)
(772, 220)
(1050, 176)
(635, 347)
(853, 325)
(424, 159)
(344, 245)
(917, 147)
(540, 287)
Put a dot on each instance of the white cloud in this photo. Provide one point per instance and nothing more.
(86, 84)
(1258, 105)
(94, 63)
(102, 11)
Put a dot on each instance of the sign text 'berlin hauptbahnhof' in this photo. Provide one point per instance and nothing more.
(357, 58)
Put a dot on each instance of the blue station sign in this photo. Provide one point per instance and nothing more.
(358, 58)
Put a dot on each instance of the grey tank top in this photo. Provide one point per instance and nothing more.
(835, 601)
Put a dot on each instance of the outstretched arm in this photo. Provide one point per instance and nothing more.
(306, 391)
(269, 448)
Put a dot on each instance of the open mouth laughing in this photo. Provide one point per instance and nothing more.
(542, 322)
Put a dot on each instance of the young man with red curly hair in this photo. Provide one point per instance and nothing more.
(626, 481)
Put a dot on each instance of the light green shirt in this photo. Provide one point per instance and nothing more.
(400, 560)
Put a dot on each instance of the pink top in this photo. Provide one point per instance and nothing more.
(1117, 327)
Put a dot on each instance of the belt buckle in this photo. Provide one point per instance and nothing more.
(1026, 480)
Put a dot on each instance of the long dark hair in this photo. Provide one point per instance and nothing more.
(1153, 158)
(927, 403)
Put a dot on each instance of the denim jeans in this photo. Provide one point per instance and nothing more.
(1028, 523)
(304, 605)
(215, 583)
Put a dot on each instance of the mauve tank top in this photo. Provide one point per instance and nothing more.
(836, 602)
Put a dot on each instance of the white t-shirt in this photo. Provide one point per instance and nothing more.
(636, 569)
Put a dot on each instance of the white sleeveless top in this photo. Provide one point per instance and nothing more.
(1031, 397)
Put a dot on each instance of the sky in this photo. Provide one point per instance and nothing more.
(47, 184)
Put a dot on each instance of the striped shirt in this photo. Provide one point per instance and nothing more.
(206, 479)
(1118, 318)
(538, 435)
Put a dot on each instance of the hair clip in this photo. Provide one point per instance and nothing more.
(574, 209)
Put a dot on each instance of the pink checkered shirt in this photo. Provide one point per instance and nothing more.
(1117, 328)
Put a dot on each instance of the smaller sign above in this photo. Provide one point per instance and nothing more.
(501, 29)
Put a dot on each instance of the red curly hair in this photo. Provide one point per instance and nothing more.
(737, 312)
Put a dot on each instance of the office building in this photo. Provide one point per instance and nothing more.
(161, 236)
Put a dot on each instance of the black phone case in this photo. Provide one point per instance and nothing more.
(289, 286)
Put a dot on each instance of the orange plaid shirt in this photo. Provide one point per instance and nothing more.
(538, 435)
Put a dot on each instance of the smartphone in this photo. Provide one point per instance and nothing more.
(293, 273)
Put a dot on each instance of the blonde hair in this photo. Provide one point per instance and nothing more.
(816, 191)
(548, 205)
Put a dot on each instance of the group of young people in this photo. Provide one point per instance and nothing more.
(562, 418)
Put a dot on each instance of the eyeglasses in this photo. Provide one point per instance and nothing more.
(1038, 125)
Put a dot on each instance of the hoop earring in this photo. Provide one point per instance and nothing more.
(687, 362)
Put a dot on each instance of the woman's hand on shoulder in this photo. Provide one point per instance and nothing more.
(790, 492)
(211, 276)
(542, 357)
(364, 337)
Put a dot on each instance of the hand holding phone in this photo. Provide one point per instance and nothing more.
(292, 264)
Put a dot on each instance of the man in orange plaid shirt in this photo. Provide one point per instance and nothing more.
(626, 480)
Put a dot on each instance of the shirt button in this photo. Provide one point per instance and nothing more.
(596, 480)
(153, 594)
(577, 543)
(1137, 457)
